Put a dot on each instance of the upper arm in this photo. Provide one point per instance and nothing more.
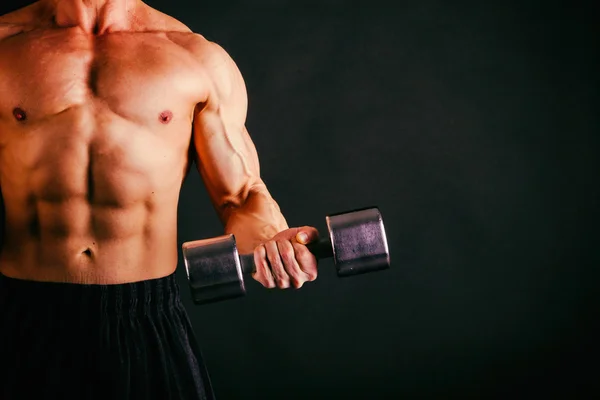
(225, 155)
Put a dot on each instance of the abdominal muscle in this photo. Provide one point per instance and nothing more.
(101, 208)
(80, 256)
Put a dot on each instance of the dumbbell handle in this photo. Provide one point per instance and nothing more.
(320, 249)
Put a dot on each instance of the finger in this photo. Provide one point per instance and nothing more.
(288, 257)
(263, 272)
(282, 280)
(307, 234)
(306, 261)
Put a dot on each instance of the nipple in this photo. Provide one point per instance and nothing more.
(165, 117)
(19, 114)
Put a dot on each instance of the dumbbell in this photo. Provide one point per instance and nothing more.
(356, 240)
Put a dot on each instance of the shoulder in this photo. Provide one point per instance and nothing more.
(218, 65)
(211, 56)
(224, 82)
(209, 53)
(203, 50)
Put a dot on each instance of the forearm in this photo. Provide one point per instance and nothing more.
(256, 219)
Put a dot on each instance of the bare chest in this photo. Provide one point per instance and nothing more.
(138, 76)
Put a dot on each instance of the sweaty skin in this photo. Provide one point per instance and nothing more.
(104, 105)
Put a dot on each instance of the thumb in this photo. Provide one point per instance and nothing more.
(307, 234)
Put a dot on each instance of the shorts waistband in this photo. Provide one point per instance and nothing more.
(136, 297)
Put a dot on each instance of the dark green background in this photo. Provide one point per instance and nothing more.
(474, 127)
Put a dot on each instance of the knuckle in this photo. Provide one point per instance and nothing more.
(310, 271)
(260, 250)
(301, 251)
(298, 256)
(283, 283)
(266, 278)
(293, 280)
(298, 283)
(286, 251)
(279, 279)
(288, 257)
(264, 282)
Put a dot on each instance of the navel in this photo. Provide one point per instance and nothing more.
(19, 114)
(165, 117)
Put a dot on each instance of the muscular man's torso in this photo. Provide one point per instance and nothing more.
(94, 145)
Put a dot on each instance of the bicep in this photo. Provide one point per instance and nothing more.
(225, 154)
(226, 159)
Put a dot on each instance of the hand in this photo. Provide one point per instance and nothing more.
(285, 260)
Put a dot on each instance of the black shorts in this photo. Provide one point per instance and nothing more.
(72, 341)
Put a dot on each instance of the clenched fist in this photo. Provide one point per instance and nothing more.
(285, 260)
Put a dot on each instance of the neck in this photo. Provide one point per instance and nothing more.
(94, 16)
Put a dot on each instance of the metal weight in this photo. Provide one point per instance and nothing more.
(359, 241)
(356, 240)
(213, 269)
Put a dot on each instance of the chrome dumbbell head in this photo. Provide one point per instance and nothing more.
(359, 241)
(213, 269)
